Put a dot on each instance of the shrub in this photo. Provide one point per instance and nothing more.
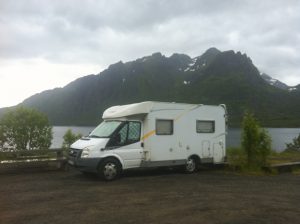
(24, 128)
(69, 139)
(2, 137)
(294, 146)
(255, 141)
(236, 158)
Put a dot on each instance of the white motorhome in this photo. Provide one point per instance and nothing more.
(152, 134)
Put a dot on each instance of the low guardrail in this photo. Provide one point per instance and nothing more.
(33, 159)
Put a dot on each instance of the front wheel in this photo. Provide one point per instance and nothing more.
(191, 165)
(110, 169)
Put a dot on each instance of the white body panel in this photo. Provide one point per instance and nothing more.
(185, 141)
(131, 155)
(164, 149)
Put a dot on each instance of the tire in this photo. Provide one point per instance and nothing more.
(110, 169)
(191, 165)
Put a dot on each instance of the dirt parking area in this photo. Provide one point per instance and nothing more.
(149, 197)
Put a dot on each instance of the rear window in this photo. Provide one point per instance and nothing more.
(205, 126)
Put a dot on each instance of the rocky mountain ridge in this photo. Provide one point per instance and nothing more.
(215, 77)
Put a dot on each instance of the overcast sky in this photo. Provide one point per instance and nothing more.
(48, 43)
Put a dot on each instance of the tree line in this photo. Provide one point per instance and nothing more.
(25, 129)
(28, 129)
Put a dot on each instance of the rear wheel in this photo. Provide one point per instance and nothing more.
(191, 165)
(110, 169)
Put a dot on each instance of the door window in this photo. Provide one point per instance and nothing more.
(134, 131)
(128, 134)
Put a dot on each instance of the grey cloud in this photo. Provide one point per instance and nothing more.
(107, 31)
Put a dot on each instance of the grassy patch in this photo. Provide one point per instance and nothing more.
(237, 162)
(296, 170)
(236, 158)
(284, 157)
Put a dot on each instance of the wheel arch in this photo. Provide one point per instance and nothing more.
(196, 157)
(115, 157)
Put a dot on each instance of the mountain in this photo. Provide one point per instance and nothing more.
(275, 82)
(215, 77)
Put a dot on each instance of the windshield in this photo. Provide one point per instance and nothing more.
(105, 129)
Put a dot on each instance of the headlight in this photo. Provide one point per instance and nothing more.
(85, 153)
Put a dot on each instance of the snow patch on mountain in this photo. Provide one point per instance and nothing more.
(274, 82)
(292, 89)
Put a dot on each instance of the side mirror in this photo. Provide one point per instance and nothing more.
(118, 138)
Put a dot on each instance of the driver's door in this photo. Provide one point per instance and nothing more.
(128, 144)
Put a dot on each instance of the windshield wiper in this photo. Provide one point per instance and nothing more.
(94, 136)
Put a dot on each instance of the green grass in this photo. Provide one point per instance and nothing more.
(284, 157)
(296, 171)
(237, 161)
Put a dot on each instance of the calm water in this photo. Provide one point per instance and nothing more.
(280, 136)
(59, 131)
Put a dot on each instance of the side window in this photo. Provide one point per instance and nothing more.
(205, 126)
(164, 127)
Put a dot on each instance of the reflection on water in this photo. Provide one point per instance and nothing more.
(280, 136)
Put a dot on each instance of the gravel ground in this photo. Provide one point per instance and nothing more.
(208, 196)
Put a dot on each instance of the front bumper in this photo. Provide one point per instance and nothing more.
(83, 164)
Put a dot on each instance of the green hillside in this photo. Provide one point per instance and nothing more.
(214, 78)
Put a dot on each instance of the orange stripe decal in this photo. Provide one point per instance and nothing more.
(148, 134)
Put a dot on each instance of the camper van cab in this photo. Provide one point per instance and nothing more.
(152, 134)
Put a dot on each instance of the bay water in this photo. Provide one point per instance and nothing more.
(280, 136)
